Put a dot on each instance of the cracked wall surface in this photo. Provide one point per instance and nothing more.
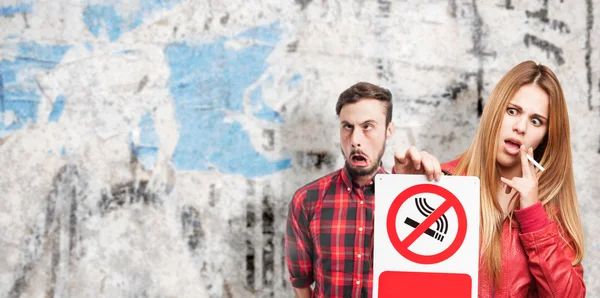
(149, 148)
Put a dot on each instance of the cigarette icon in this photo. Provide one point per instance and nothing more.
(535, 163)
(434, 234)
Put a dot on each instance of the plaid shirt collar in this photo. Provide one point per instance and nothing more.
(347, 177)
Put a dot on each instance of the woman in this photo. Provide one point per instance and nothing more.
(531, 233)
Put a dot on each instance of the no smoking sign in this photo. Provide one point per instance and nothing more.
(426, 236)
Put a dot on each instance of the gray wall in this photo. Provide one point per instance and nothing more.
(149, 148)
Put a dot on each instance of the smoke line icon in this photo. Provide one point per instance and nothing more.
(441, 224)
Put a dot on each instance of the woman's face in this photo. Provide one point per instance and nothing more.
(525, 123)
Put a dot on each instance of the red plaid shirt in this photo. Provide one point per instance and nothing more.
(329, 236)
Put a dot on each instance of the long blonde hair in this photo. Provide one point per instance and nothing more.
(556, 185)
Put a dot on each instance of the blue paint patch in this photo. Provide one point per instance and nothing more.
(148, 135)
(293, 81)
(10, 10)
(23, 108)
(63, 151)
(268, 114)
(103, 16)
(48, 54)
(89, 46)
(265, 35)
(1, 97)
(260, 109)
(9, 76)
(25, 111)
(146, 151)
(19, 90)
(109, 18)
(205, 82)
(57, 108)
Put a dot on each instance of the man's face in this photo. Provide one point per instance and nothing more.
(363, 134)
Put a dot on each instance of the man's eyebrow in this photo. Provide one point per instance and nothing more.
(363, 123)
(369, 121)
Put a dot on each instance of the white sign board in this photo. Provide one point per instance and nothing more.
(426, 241)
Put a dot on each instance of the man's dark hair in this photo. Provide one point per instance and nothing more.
(363, 90)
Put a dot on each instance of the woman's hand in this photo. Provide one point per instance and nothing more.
(527, 185)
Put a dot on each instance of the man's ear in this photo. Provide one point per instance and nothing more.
(389, 132)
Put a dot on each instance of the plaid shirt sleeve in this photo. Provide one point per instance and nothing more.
(298, 243)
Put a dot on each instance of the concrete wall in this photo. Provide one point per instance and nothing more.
(148, 148)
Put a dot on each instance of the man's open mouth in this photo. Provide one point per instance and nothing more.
(358, 160)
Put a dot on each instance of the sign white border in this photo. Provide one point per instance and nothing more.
(387, 258)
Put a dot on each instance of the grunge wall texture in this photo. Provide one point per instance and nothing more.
(149, 148)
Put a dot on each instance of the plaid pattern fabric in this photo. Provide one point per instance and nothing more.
(329, 236)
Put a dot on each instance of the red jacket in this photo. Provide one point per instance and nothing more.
(536, 261)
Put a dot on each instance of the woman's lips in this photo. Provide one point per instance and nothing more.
(511, 147)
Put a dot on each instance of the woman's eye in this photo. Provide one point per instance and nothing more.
(536, 122)
(511, 111)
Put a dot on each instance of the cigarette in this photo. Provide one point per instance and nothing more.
(535, 163)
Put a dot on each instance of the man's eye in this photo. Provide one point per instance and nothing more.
(511, 111)
(347, 126)
(368, 127)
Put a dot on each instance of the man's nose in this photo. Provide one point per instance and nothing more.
(356, 138)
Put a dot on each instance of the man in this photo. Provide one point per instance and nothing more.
(330, 221)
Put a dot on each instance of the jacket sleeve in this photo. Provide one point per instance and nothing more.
(549, 256)
(298, 244)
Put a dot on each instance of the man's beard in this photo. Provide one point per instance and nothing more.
(361, 172)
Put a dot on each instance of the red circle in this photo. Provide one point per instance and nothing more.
(403, 248)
